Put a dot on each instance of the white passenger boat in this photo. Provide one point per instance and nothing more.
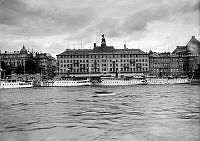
(66, 83)
(10, 83)
(113, 81)
(170, 80)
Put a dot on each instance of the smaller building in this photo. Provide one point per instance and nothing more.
(11, 61)
(165, 64)
(191, 55)
(24, 62)
(47, 64)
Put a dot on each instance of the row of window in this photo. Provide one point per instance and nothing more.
(71, 61)
(73, 65)
(111, 65)
(104, 69)
(104, 56)
(118, 56)
(168, 65)
(169, 70)
(104, 60)
(103, 65)
(167, 60)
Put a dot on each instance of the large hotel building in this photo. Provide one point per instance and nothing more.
(102, 59)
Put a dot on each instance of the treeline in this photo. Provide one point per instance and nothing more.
(31, 67)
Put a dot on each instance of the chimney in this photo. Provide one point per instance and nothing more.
(193, 37)
(94, 44)
(124, 46)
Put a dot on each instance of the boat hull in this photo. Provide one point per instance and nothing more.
(120, 82)
(167, 81)
(5, 85)
(66, 83)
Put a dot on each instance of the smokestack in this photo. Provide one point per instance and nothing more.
(124, 46)
(94, 44)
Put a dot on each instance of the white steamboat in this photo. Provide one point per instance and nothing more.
(10, 83)
(169, 80)
(66, 83)
(114, 81)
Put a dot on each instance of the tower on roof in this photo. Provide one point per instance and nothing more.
(103, 41)
(23, 50)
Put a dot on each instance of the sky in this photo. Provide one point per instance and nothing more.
(52, 26)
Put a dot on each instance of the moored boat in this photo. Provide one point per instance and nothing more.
(66, 82)
(114, 81)
(12, 83)
(169, 80)
(195, 81)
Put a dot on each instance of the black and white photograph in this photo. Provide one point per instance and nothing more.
(99, 70)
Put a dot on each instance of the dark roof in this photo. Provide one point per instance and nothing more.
(193, 46)
(130, 51)
(105, 49)
(193, 40)
(23, 50)
(180, 49)
(51, 57)
(98, 50)
(75, 52)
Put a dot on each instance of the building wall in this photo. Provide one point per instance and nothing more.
(99, 62)
(123, 63)
(191, 55)
(166, 64)
(13, 60)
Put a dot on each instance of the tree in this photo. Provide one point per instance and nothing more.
(6, 69)
(31, 66)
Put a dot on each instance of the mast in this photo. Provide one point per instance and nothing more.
(0, 65)
(89, 66)
(24, 66)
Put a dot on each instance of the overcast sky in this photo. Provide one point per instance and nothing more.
(55, 25)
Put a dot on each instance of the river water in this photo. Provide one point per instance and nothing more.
(134, 113)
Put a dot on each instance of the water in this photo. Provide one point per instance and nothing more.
(135, 113)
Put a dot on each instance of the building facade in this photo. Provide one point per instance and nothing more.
(103, 59)
(25, 62)
(184, 60)
(47, 64)
(165, 64)
(191, 55)
(14, 59)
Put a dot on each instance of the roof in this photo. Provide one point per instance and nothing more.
(130, 51)
(99, 50)
(75, 52)
(193, 40)
(105, 49)
(180, 49)
(193, 46)
(23, 50)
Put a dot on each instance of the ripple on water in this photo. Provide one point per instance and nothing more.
(136, 113)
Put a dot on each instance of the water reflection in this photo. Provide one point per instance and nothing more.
(133, 113)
